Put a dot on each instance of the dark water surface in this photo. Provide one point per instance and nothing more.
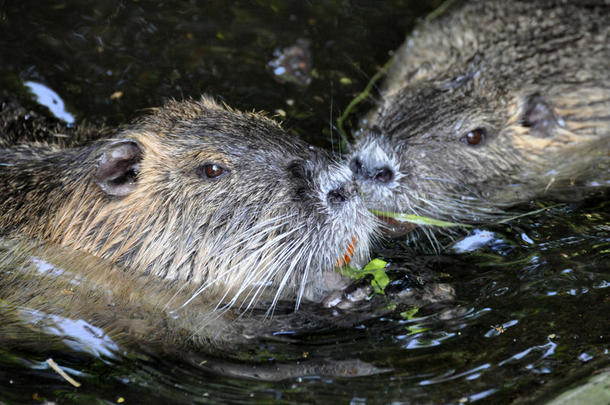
(532, 308)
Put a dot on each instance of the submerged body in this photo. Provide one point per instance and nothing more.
(489, 105)
(196, 207)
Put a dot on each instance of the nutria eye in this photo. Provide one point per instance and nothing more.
(475, 137)
(212, 171)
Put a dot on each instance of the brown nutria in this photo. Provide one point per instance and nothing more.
(219, 204)
(491, 104)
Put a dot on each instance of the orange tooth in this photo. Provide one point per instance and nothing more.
(342, 261)
(347, 258)
(350, 249)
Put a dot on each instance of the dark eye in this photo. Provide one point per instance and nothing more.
(213, 171)
(475, 137)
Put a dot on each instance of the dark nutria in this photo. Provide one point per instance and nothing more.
(218, 204)
(491, 104)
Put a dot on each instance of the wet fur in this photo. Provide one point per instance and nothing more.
(534, 74)
(267, 231)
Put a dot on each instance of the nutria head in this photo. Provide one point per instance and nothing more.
(199, 194)
(490, 106)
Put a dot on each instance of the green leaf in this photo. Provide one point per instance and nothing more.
(380, 281)
(415, 329)
(410, 313)
(375, 264)
(376, 267)
(416, 219)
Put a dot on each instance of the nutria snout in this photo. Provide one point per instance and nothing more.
(490, 105)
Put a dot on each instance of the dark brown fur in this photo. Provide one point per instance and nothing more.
(531, 77)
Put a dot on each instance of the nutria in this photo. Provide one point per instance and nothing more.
(208, 202)
(492, 104)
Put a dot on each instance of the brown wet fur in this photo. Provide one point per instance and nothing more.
(533, 75)
(162, 248)
(51, 281)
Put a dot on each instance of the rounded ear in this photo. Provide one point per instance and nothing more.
(539, 115)
(118, 167)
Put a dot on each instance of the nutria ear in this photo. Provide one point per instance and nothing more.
(118, 167)
(539, 115)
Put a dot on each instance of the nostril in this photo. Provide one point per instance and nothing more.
(384, 175)
(340, 194)
(356, 166)
(336, 197)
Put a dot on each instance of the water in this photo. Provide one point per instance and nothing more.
(532, 297)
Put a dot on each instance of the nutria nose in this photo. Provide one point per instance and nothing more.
(342, 193)
(382, 175)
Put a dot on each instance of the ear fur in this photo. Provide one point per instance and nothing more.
(117, 168)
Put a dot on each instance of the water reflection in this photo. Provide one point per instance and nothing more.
(531, 277)
(450, 375)
(476, 240)
(77, 334)
(547, 350)
(47, 97)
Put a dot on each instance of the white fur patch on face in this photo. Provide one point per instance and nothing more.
(375, 153)
(337, 175)
(331, 179)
